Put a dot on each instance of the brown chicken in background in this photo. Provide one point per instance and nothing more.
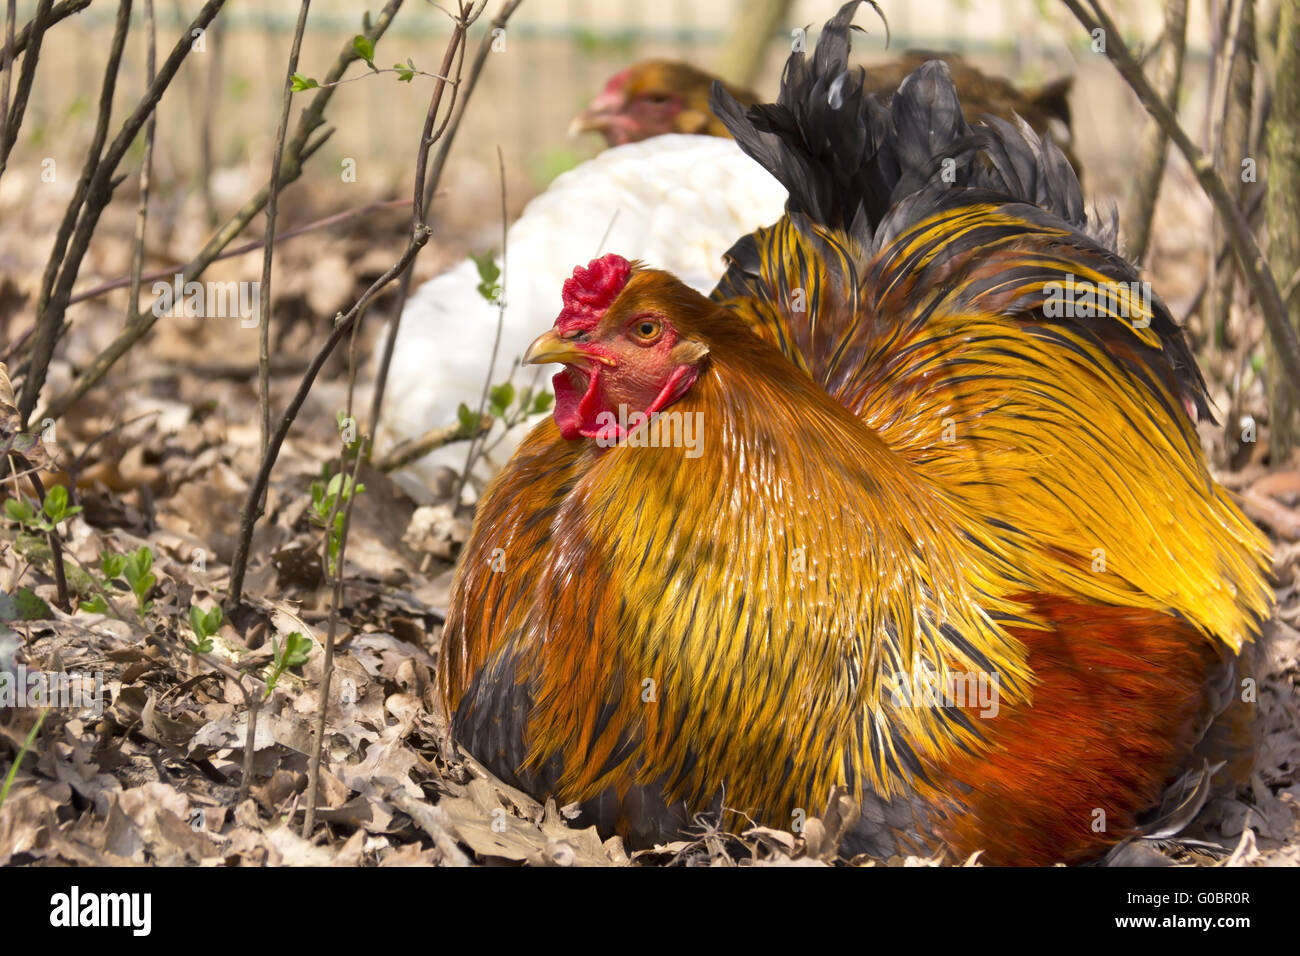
(657, 96)
(654, 97)
(784, 538)
(1045, 108)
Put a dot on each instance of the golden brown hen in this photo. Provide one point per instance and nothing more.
(653, 97)
(912, 505)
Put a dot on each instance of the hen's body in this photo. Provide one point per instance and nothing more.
(911, 470)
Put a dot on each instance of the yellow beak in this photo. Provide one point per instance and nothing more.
(550, 347)
(594, 119)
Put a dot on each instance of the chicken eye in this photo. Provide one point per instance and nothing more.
(647, 330)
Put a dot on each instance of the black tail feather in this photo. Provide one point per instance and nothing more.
(848, 156)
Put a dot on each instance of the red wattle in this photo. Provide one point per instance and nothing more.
(575, 411)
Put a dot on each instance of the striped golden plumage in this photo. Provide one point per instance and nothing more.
(909, 461)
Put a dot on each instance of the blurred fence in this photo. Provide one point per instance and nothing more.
(558, 53)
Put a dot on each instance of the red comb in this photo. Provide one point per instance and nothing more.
(592, 290)
(618, 80)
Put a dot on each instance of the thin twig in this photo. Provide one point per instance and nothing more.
(7, 65)
(342, 326)
(47, 319)
(1148, 175)
(34, 33)
(446, 136)
(252, 246)
(209, 97)
(327, 667)
(1219, 104)
(496, 342)
(375, 71)
(268, 250)
(425, 200)
(300, 149)
(402, 454)
(1253, 264)
(1225, 249)
(146, 166)
(1219, 119)
(253, 701)
(60, 11)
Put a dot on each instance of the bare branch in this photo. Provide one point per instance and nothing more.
(247, 247)
(34, 33)
(49, 318)
(342, 325)
(7, 66)
(60, 11)
(146, 167)
(1253, 263)
(1140, 202)
(474, 443)
(298, 152)
(268, 250)
(406, 452)
(327, 667)
(447, 136)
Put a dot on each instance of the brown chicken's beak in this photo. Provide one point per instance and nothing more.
(590, 121)
(600, 114)
(550, 347)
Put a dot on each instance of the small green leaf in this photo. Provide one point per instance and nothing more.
(468, 420)
(297, 649)
(23, 605)
(502, 396)
(300, 83)
(112, 565)
(486, 263)
(137, 568)
(56, 503)
(404, 74)
(364, 49)
(542, 402)
(489, 272)
(95, 605)
(19, 510)
(204, 625)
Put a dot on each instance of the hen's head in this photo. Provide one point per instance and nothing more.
(627, 336)
(653, 97)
